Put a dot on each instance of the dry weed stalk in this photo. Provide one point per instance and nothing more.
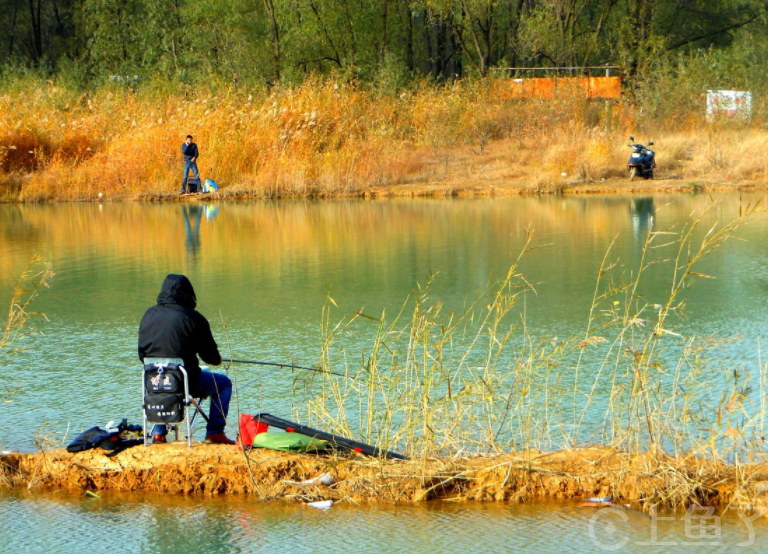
(35, 276)
(437, 384)
(32, 279)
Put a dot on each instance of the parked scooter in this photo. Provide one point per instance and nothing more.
(641, 162)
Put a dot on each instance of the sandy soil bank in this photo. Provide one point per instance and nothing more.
(519, 188)
(638, 480)
(480, 189)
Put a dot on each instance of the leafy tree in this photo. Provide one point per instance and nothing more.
(273, 41)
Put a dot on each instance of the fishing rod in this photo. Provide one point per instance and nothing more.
(249, 383)
(281, 366)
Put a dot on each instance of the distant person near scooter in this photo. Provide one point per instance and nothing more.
(191, 153)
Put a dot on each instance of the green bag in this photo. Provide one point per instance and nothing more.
(289, 442)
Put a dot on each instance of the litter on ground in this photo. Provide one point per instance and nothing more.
(324, 479)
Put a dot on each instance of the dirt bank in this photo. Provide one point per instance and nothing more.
(499, 188)
(641, 480)
(329, 138)
(477, 189)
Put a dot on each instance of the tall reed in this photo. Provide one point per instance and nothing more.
(35, 276)
(434, 383)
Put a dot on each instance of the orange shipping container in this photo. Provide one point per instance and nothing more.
(550, 87)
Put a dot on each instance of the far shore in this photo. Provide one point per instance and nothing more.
(467, 189)
(327, 140)
(500, 189)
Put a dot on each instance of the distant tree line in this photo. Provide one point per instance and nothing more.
(393, 41)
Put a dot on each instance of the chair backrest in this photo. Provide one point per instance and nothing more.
(165, 391)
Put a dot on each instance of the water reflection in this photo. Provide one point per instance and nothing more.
(193, 215)
(136, 523)
(211, 211)
(641, 213)
(15, 228)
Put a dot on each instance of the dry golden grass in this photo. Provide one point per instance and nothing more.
(326, 138)
(36, 275)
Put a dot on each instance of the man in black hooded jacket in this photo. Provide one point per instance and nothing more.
(174, 329)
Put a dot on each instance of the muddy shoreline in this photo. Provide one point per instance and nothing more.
(638, 480)
(483, 189)
(463, 189)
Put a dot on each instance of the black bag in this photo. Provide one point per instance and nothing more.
(164, 395)
(108, 440)
(164, 408)
(86, 440)
(164, 382)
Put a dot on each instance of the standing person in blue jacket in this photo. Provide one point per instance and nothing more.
(189, 149)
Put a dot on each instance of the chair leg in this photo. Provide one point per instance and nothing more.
(198, 404)
(189, 427)
(143, 409)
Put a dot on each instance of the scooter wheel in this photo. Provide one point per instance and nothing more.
(632, 173)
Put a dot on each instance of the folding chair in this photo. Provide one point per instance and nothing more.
(165, 395)
(198, 404)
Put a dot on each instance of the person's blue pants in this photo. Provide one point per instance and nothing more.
(187, 166)
(218, 388)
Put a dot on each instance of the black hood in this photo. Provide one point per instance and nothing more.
(177, 290)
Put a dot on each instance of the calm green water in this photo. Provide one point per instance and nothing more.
(50, 522)
(267, 268)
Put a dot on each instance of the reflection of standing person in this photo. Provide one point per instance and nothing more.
(193, 232)
(189, 149)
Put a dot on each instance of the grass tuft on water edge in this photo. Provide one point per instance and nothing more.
(35, 276)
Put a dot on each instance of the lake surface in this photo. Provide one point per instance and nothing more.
(135, 523)
(267, 269)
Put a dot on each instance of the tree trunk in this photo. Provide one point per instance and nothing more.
(640, 18)
(13, 30)
(336, 58)
(383, 47)
(36, 42)
(275, 30)
(409, 37)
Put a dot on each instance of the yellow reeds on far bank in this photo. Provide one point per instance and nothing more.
(328, 138)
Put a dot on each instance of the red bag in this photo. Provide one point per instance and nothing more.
(249, 428)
